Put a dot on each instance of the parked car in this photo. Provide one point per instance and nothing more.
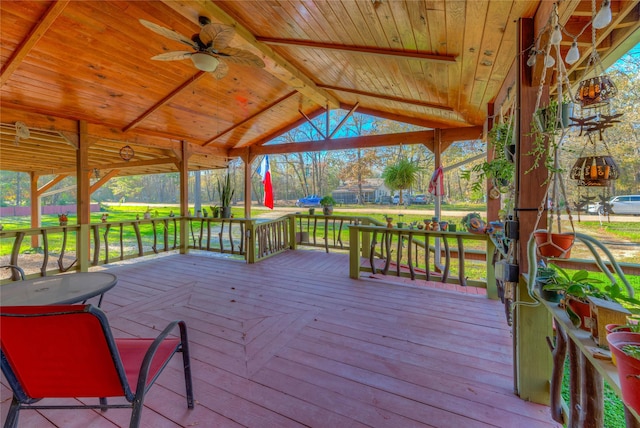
(395, 200)
(419, 199)
(595, 208)
(309, 201)
(625, 204)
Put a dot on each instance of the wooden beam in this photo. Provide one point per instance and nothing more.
(388, 97)
(276, 65)
(40, 190)
(36, 33)
(165, 100)
(286, 128)
(103, 180)
(418, 137)
(405, 119)
(344, 119)
(253, 116)
(392, 53)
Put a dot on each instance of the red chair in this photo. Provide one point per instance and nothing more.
(65, 351)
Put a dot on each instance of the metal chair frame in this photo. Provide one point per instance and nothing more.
(103, 375)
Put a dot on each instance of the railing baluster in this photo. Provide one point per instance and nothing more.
(45, 245)
(461, 277)
(372, 253)
(96, 245)
(427, 251)
(136, 228)
(409, 256)
(155, 237)
(121, 241)
(387, 246)
(106, 243)
(447, 259)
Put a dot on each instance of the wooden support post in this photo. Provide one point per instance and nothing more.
(83, 197)
(36, 201)
(365, 242)
(533, 361)
(247, 158)
(184, 198)
(354, 252)
(493, 205)
(250, 239)
(492, 287)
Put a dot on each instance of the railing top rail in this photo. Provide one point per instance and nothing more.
(465, 235)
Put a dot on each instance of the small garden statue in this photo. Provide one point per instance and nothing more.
(104, 217)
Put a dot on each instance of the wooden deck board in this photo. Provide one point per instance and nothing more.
(293, 341)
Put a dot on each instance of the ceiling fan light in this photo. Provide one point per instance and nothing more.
(204, 62)
(603, 17)
(573, 55)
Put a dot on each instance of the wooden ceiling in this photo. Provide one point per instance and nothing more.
(432, 63)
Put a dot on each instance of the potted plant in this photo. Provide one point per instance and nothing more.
(473, 223)
(327, 203)
(626, 348)
(547, 275)
(63, 219)
(226, 192)
(215, 211)
(575, 289)
(501, 169)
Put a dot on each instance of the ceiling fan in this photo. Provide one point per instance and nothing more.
(211, 46)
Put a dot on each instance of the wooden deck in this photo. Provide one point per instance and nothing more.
(292, 341)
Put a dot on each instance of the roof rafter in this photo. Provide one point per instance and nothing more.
(253, 116)
(443, 59)
(276, 65)
(387, 97)
(164, 101)
(32, 38)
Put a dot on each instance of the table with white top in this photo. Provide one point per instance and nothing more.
(58, 289)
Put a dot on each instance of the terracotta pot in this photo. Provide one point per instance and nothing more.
(558, 246)
(615, 328)
(582, 310)
(628, 367)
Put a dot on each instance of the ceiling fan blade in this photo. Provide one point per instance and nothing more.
(241, 56)
(170, 34)
(218, 36)
(173, 56)
(221, 70)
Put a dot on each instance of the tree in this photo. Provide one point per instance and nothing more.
(401, 175)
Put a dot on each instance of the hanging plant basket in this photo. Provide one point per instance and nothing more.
(556, 245)
(595, 170)
(595, 92)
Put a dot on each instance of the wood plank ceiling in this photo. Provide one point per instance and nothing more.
(436, 63)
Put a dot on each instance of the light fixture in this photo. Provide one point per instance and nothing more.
(96, 173)
(204, 61)
(603, 18)
(531, 61)
(549, 61)
(573, 55)
(556, 36)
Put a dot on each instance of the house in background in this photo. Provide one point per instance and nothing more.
(373, 191)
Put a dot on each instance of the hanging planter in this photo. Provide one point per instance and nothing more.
(556, 245)
(595, 170)
(595, 92)
(622, 345)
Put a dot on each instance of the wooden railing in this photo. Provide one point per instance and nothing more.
(108, 242)
(271, 237)
(417, 254)
(220, 235)
(327, 232)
